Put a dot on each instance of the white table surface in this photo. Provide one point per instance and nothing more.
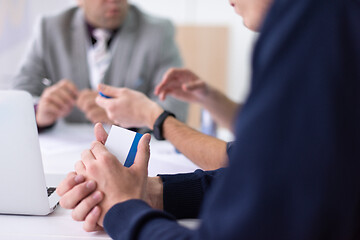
(61, 147)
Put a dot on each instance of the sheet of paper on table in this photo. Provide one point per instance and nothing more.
(62, 146)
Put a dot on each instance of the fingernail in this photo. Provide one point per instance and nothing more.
(90, 185)
(79, 178)
(148, 139)
(97, 196)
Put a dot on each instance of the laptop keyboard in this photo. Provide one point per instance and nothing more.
(50, 190)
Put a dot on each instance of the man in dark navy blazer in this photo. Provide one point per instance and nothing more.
(294, 169)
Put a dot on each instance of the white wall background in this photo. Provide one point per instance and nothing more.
(12, 14)
(202, 12)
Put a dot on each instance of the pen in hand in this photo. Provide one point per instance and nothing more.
(103, 95)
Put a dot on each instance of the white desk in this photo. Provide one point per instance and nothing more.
(61, 148)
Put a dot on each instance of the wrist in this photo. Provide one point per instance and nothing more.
(208, 97)
(154, 114)
(43, 121)
(155, 193)
(158, 129)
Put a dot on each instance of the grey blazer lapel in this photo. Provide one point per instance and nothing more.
(81, 42)
(122, 50)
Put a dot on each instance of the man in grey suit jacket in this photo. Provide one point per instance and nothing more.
(142, 48)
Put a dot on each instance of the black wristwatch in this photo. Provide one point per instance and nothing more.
(158, 125)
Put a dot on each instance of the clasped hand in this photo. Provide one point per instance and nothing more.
(59, 100)
(100, 181)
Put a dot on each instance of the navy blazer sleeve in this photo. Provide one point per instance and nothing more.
(184, 193)
(294, 168)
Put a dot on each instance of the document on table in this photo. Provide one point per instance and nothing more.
(61, 148)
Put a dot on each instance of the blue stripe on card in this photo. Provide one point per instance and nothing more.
(133, 149)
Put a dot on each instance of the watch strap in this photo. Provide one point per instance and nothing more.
(158, 125)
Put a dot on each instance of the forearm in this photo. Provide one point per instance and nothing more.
(222, 109)
(134, 219)
(207, 152)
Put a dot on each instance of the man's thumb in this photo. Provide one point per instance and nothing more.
(143, 153)
(107, 90)
(100, 133)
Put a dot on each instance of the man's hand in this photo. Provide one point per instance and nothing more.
(117, 182)
(78, 193)
(154, 187)
(183, 85)
(56, 101)
(128, 108)
(83, 198)
(86, 103)
(81, 195)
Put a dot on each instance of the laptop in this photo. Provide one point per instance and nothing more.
(22, 180)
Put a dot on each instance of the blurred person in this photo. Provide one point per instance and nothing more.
(99, 41)
(293, 172)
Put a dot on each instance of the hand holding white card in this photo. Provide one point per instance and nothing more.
(123, 144)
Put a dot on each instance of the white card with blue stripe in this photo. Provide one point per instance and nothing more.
(123, 143)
